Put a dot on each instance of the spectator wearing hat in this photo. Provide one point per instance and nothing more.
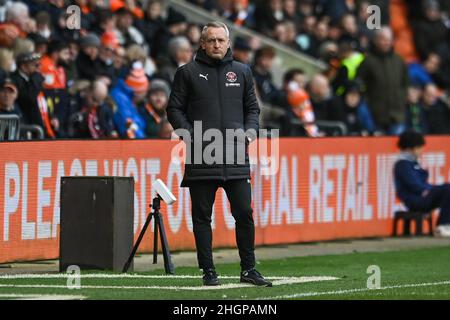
(8, 97)
(242, 50)
(55, 83)
(128, 94)
(31, 99)
(87, 61)
(300, 107)
(154, 110)
(412, 186)
(109, 46)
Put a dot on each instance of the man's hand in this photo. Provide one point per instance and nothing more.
(425, 192)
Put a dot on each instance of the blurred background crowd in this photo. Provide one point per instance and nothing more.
(111, 78)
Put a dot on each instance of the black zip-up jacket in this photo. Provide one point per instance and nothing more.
(220, 94)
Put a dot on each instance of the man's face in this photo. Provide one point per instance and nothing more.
(30, 67)
(158, 100)
(184, 54)
(266, 62)
(215, 43)
(7, 97)
(64, 56)
(242, 55)
(124, 21)
(91, 52)
(352, 99)
(384, 41)
(432, 63)
(430, 95)
(154, 10)
(106, 54)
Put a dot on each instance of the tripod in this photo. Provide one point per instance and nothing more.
(159, 226)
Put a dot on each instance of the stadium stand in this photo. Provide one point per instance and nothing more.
(77, 79)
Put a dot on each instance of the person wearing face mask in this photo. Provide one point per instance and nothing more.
(55, 82)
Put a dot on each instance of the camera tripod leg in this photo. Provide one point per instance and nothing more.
(138, 242)
(155, 239)
(168, 265)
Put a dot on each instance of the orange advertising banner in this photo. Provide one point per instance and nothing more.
(320, 189)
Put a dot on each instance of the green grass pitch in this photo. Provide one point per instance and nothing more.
(404, 274)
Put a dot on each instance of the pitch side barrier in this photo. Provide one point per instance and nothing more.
(319, 189)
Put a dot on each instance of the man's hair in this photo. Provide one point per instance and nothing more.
(384, 29)
(176, 44)
(15, 10)
(214, 24)
(291, 73)
(264, 52)
(410, 139)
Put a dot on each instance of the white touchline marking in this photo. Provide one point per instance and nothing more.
(41, 296)
(135, 276)
(338, 292)
(282, 281)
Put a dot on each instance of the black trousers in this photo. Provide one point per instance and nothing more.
(438, 197)
(238, 192)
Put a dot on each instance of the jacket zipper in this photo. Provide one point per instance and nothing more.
(221, 121)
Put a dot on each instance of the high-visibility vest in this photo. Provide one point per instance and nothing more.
(352, 64)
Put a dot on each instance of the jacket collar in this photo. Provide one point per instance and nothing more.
(407, 156)
(201, 56)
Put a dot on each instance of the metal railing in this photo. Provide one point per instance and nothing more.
(31, 132)
(331, 128)
(9, 127)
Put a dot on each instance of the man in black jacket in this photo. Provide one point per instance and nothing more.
(217, 93)
(31, 99)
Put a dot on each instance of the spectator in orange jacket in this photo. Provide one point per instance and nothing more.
(17, 24)
(55, 83)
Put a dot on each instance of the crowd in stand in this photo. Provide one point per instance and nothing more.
(111, 78)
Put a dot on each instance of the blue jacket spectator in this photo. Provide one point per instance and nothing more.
(412, 186)
(127, 118)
